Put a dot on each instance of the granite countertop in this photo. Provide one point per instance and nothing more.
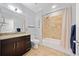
(4, 36)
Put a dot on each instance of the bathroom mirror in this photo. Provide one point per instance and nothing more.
(10, 21)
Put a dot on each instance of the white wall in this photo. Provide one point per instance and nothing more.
(77, 14)
(77, 27)
(30, 20)
(73, 14)
(30, 23)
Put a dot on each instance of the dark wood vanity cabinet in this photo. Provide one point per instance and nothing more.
(15, 46)
(0, 48)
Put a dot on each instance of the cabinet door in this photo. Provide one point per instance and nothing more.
(0, 48)
(8, 47)
(22, 45)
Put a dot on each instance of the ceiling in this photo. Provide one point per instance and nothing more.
(36, 7)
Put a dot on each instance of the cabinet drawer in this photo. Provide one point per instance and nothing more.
(26, 38)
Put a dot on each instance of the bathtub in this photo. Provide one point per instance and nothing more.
(56, 44)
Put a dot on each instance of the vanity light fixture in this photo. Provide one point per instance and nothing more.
(18, 10)
(54, 6)
(14, 9)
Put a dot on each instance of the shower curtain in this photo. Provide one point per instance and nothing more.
(56, 29)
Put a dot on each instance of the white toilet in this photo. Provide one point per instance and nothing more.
(35, 42)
